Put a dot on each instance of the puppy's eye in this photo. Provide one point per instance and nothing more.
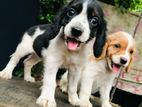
(117, 45)
(94, 21)
(71, 12)
(131, 51)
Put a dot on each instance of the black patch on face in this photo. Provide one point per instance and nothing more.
(68, 12)
(93, 18)
(43, 40)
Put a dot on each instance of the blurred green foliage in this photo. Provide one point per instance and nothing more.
(134, 6)
(48, 9)
(19, 73)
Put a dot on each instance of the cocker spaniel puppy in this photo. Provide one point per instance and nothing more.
(100, 72)
(63, 44)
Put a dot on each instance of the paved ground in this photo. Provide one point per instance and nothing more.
(18, 93)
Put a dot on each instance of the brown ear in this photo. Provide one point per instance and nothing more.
(130, 63)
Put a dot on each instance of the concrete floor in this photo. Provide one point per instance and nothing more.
(18, 93)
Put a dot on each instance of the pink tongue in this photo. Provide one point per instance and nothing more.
(115, 68)
(72, 45)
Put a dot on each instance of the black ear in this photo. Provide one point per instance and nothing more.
(100, 39)
(59, 18)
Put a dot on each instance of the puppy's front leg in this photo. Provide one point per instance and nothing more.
(85, 89)
(105, 92)
(46, 98)
(73, 79)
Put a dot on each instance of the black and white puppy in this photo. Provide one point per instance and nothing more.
(62, 44)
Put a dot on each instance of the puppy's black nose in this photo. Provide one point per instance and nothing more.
(76, 32)
(123, 60)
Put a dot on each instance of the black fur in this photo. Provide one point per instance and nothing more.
(62, 18)
(100, 34)
(42, 41)
(100, 40)
(97, 26)
(31, 30)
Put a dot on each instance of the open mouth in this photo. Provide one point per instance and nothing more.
(72, 43)
(115, 67)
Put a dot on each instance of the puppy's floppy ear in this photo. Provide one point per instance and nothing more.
(130, 63)
(100, 39)
(104, 52)
(59, 18)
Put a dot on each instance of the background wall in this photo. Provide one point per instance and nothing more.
(130, 82)
(118, 21)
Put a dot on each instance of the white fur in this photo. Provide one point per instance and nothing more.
(24, 48)
(52, 61)
(29, 62)
(98, 76)
(73, 61)
(80, 21)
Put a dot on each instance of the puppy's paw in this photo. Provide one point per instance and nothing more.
(63, 84)
(85, 103)
(45, 103)
(74, 100)
(5, 75)
(29, 79)
(106, 104)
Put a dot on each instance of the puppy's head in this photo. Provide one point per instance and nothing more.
(82, 21)
(119, 51)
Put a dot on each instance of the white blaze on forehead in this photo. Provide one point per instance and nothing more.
(85, 7)
(83, 21)
(130, 40)
(130, 44)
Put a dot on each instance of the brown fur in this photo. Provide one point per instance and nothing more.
(110, 49)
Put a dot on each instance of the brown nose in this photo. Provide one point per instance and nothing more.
(76, 32)
(123, 60)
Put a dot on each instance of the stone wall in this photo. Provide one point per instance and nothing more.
(118, 21)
